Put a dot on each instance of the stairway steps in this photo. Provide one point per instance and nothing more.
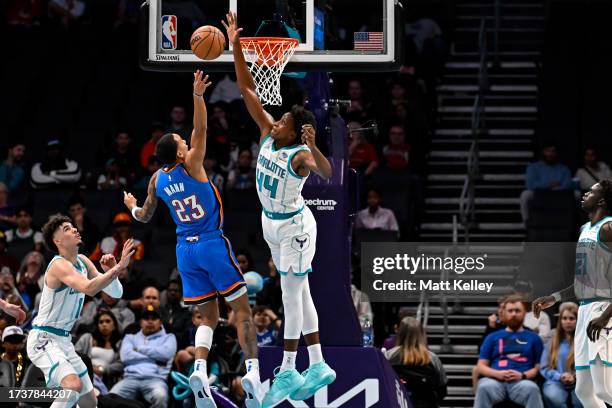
(489, 132)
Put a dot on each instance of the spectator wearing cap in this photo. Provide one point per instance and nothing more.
(111, 178)
(90, 234)
(23, 238)
(7, 211)
(147, 358)
(113, 244)
(13, 342)
(12, 169)
(7, 261)
(148, 149)
(54, 170)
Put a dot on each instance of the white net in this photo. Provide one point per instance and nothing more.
(267, 58)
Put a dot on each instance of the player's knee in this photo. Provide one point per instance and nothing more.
(72, 382)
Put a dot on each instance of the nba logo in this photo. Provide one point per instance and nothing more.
(168, 41)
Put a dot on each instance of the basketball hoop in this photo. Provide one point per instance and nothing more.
(267, 57)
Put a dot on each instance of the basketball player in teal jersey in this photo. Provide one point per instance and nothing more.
(204, 255)
(69, 277)
(287, 155)
(593, 288)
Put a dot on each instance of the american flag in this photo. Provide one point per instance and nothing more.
(368, 41)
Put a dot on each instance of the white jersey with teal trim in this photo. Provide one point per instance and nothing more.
(593, 273)
(278, 186)
(60, 308)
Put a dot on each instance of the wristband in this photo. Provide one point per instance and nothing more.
(557, 296)
(134, 212)
(524, 376)
(199, 96)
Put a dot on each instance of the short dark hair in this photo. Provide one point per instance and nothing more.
(55, 221)
(606, 193)
(259, 309)
(166, 149)
(302, 116)
(24, 208)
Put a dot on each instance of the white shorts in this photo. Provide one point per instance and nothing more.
(585, 351)
(292, 242)
(56, 358)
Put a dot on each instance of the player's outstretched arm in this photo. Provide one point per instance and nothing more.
(65, 273)
(13, 310)
(195, 157)
(313, 161)
(545, 302)
(144, 213)
(108, 261)
(246, 84)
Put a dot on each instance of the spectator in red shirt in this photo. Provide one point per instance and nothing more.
(397, 152)
(148, 149)
(362, 155)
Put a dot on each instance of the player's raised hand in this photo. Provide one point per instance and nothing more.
(542, 303)
(129, 200)
(200, 83)
(233, 32)
(126, 254)
(13, 310)
(108, 261)
(308, 136)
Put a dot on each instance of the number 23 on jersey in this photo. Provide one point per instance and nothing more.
(188, 209)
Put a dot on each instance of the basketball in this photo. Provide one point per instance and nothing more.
(207, 42)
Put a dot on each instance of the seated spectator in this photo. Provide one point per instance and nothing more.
(7, 211)
(391, 341)
(23, 239)
(7, 262)
(375, 216)
(541, 325)
(112, 245)
(176, 314)
(245, 260)
(545, 174)
(267, 325)
(153, 164)
(123, 158)
(147, 359)
(397, 152)
(149, 296)
(30, 278)
(210, 164)
(102, 347)
(219, 134)
(148, 149)
(360, 109)
(13, 343)
(509, 362)
(592, 171)
(111, 178)
(54, 170)
(178, 123)
(243, 176)
(185, 357)
(123, 316)
(558, 361)
(271, 295)
(420, 370)
(90, 234)
(12, 169)
(362, 155)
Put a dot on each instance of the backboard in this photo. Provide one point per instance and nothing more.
(334, 35)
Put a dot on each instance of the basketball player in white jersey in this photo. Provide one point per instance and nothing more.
(69, 277)
(287, 155)
(593, 288)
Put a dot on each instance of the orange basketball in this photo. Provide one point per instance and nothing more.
(207, 42)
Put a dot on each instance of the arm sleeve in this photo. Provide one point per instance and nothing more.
(547, 372)
(114, 289)
(127, 352)
(161, 352)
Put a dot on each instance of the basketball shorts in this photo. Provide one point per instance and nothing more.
(56, 358)
(292, 241)
(208, 268)
(586, 351)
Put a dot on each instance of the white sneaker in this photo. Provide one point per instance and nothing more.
(253, 389)
(201, 390)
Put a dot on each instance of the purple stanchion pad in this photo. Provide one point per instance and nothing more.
(364, 379)
(221, 400)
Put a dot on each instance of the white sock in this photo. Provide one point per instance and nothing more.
(200, 365)
(315, 355)
(252, 364)
(288, 360)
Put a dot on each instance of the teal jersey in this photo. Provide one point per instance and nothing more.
(593, 272)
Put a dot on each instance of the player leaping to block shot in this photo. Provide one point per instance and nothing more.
(204, 255)
(287, 156)
(593, 288)
(69, 277)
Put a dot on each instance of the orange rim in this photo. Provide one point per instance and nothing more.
(267, 47)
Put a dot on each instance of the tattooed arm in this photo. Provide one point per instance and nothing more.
(144, 213)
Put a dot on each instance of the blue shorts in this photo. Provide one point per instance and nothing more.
(208, 267)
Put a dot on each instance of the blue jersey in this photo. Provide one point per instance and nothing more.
(195, 206)
(505, 350)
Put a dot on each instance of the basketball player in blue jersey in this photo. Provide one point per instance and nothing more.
(287, 155)
(69, 277)
(204, 255)
(593, 288)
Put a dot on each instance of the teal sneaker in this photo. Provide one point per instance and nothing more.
(316, 377)
(285, 382)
